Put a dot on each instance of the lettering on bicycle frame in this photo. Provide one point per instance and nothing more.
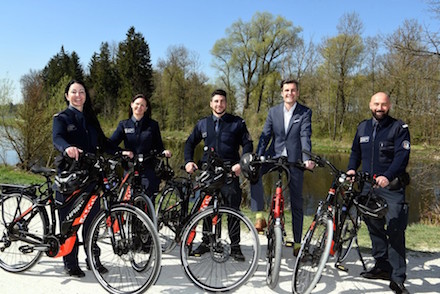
(205, 202)
(86, 210)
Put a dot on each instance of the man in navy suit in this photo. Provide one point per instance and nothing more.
(288, 127)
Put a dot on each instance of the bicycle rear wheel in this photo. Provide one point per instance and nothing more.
(348, 233)
(274, 246)
(17, 255)
(170, 211)
(313, 255)
(225, 232)
(125, 242)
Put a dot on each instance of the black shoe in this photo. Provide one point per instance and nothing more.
(101, 269)
(199, 251)
(75, 272)
(237, 254)
(377, 273)
(398, 288)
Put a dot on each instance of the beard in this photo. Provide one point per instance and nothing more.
(379, 115)
(220, 113)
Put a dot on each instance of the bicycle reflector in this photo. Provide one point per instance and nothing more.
(250, 171)
(371, 205)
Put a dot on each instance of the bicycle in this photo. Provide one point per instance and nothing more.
(113, 240)
(131, 189)
(333, 229)
(275, 231)
(210, 223)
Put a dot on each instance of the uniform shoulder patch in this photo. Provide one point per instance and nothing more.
(406, 145)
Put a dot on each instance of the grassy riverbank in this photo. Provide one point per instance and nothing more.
(419, 237)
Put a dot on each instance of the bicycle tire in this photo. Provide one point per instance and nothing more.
(348, 234)
(219, 271)
(12, 255)
(169, 213)
(313, 255)
(133, 260)
(274, 247)
(144, 203)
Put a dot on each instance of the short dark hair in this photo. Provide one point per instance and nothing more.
(290, 81)
(219, 92)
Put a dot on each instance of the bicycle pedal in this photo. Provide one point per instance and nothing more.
(341, 267)
(289, 244)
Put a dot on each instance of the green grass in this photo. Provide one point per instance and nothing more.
(13, 175)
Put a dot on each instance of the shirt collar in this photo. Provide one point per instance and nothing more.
(292, 109)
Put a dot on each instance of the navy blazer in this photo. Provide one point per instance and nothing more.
(297, 138)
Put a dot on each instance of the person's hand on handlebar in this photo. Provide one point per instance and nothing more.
(73, 152)
(129, 154)
(236, 168)
(190, 167)
(309, 164)
(167, 153)
(382, 181)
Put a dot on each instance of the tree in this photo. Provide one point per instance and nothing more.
(134, 67)
(181, 94)
(104, 81)
(60, 65)
(252, 52)
(342, 57)
(413, 81)
(27, 134)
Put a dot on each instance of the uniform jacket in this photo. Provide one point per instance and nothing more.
(232, 134)
(142, 139)
(70, 129)
(387, 154)
(295, 140)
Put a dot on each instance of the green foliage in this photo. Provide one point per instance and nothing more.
(104, 81)
(60, 65)
(134, 67)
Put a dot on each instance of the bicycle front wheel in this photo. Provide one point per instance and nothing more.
(274, 246)
(226, 249)
(313, 255)
(17, 255)
(124, 242)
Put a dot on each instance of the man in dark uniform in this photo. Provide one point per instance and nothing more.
(382, 146)
(225, 133)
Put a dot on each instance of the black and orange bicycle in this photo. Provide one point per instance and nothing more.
(124, 236)
(208, 223)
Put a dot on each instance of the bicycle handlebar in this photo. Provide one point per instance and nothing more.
(362, 177)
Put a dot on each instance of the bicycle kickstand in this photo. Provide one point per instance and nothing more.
(358, 249)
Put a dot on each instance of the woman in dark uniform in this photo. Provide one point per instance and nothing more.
(76, 130)
(141, 135)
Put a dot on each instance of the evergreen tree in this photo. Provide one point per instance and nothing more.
(134, 67)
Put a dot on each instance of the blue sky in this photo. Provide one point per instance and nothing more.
(33, 31)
